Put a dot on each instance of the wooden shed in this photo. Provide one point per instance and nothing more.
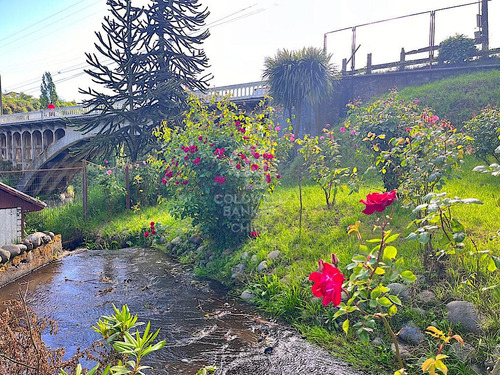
(13, 205)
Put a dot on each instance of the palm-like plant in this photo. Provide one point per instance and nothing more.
(296, 77)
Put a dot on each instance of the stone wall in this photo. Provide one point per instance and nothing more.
(30, 260)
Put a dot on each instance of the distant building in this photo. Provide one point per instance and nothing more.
(13, 205)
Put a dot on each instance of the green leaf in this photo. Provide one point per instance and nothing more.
(393, 310)
(424, 237)
(456, 226)
(459, 237)
(375, 293)
(395, 299)
(411, 236)
(373, 240)
(492, 267)
(408, 276)
(345, 326)
(384, 301)
(471, 201)
(392, 238)
(390, 252)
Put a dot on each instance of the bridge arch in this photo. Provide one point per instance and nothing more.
(59, 133)
(36, 137)
(26, 147)
(48, 137)
(3, 146)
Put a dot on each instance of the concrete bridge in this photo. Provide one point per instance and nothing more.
(39, 142)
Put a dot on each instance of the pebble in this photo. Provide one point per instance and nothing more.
(262, 266)
(464, 313)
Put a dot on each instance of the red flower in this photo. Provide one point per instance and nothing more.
(220, 179)
(278, 176)
(152, 224)
(153, 231)
(327, 283)
(146, 234)
(254, 167)
(164, 181)
(197, 160)
(268, 178)
(256, 155)
(238, 166)
(200, 138)
(378, 201)
(185, 182)
(254, 234)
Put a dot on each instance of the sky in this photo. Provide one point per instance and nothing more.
(38, 36)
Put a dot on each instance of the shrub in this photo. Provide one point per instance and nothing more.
(219, 165)
(457, 49)
(483, 128)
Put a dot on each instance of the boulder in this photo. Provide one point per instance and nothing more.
(4, 256)
(411, 334)
(273, 254)
(28, 244)
(465, 353)
(176, 241)
(23, 247)
(247, 295)
(50, 234)
(262, 266)
(196, 239)
(238, 270)
(399, 290)
(426, 296)
(464, 313)
(244, 256)
(36, 239)
(14, 250)
(254, 258)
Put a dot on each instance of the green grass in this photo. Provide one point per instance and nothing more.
(458, 98)
(284, 291)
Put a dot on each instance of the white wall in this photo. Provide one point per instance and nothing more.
(10, 225)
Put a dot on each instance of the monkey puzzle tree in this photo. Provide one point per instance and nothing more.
(151, 57)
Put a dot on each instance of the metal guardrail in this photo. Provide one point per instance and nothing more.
(243, 91)
(239, 92)
(44, 114)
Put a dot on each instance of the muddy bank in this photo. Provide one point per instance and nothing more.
(200, 324)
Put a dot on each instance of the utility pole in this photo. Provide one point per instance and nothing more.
(485, 39)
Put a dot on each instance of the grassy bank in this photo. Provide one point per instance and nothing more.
(282, 289)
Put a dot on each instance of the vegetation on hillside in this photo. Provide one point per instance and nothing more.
(460, 98)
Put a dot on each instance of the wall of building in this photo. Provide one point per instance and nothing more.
(10, 225)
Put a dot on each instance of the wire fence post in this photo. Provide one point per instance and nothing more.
(127, 183)
(84, 189)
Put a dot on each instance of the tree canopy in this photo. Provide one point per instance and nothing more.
(147, 58)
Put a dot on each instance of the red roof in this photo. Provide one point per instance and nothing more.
(10, 198)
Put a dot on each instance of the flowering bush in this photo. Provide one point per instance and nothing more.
(367, 295)
(219, 165)
(324, 163)
(484, 129)
(414, 150)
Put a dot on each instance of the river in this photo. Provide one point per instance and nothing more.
(200, 323)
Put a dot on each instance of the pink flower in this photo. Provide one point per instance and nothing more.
(164, 181)
(153, 232)
(219, 152)
(185, 182)
(278, 128)
(146, 235)
(254, 234)
(137, 165)
(321, 137)
(144, 162)
(342, 129)
(278, 176)
(169, 174)
(109, 171)
(327, 283)
(238, 166)
(105, 161)
(416, 101)
(353, 132)
(254, 167)
(268, 178)
(200, 138)
(197, 160)
(266, 168)
(220, 179)
(292, 138)
(186, 157)
(193, 149)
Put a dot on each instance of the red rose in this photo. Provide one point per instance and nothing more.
(146, 234)
(378, 201)
(327, 283)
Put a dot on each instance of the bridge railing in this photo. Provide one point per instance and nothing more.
(44, 114)
(243, 91)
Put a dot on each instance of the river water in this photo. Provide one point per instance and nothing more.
(200, 324)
